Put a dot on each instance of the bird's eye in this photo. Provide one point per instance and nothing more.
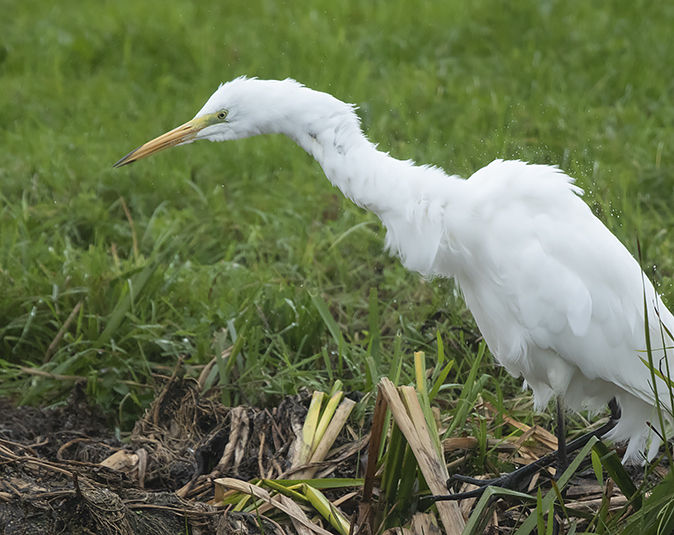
(222, 115)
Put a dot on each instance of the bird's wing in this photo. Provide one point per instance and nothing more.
(567, 283)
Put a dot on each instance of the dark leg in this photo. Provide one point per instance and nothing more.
(514, 479)
(616, 413)
(562, 460)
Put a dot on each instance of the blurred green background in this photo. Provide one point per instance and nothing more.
(172, 256)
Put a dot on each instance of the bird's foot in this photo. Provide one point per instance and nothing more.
(512, 480)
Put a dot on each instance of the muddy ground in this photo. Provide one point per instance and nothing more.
(63, 471)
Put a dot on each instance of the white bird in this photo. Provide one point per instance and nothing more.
(557, 297)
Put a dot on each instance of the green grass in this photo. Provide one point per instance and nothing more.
(243, 235)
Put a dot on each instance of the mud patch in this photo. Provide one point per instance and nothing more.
(63, 471)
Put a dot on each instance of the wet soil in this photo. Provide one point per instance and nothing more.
(62, 470)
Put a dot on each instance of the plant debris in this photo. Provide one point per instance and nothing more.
(193, 465)
(62, 470)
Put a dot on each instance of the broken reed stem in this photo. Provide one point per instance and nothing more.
(133, 228)
(375, 442)
(62, 331)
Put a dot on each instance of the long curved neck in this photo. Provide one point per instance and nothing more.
(334, 138)
(404, 196)
(329, 130)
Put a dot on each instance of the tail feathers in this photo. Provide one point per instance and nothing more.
(638, 426)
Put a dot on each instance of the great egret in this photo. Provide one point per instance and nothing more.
(559, 300)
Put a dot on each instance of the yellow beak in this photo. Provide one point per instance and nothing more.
(183, 134)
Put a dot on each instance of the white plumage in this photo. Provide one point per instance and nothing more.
(559, 300)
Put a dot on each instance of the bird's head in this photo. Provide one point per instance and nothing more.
(241, 108)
